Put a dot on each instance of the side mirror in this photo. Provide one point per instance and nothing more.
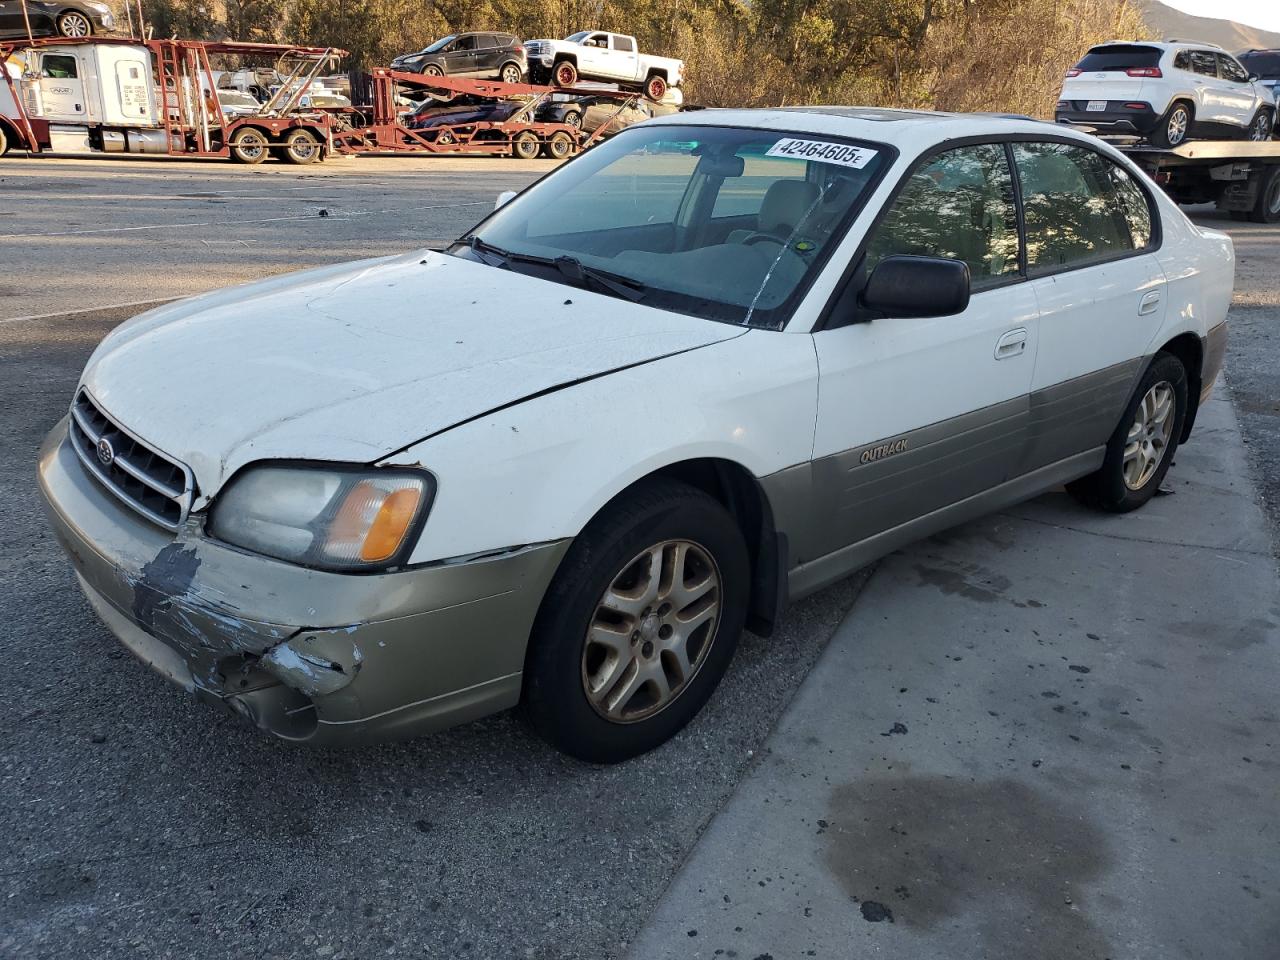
(908, 286)
(1254, 78)
(505, 197)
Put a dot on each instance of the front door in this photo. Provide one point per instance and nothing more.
(461, 58)
(1100, 292)
(918, 414)
(1237, 91)
(61, 89)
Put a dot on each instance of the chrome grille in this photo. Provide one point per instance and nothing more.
(146, 480)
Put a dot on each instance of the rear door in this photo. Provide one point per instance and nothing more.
(626, 61)
(1099, 289)
(917, 414)
(487, 52)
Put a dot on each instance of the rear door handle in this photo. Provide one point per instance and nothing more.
(1149, 303)
(1012, 344)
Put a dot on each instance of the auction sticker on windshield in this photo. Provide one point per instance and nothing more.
(822, 151)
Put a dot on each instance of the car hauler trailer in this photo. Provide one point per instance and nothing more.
(107, 95)
(1241, 177)
(520, 134)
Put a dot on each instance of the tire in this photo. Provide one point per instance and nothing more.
(1174, 127)
(250, 145)
(4, 140)
(564, 74)
(1117, 488)
(574, 119)
(655, 88)
(432, 70)
(511, 73)
(617, 547)
(1259, 130)
(526, 145)
(73, 23)
(302, 146)
(559, 146)
(1266, 209)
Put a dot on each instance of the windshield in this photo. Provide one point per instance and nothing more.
(727, 224)
(578, 37)
(439, 44)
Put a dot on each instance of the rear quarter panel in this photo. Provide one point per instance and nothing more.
(1199, 267)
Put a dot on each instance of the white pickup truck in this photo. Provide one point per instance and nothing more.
(608, 57)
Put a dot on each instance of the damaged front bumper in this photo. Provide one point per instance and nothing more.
(304, 654)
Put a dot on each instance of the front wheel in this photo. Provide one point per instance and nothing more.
(639, 624)
(302, 147)
(1174, 126)
(73, 23)
(4, 141)
(1141, 449)
(1260, 129)
(565, 74)
(250, 145)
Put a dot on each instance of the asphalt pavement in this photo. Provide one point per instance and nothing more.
(140, 824)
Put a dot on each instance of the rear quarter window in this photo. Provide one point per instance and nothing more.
(1119, 57)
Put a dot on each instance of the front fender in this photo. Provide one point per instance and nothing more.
(540, 470)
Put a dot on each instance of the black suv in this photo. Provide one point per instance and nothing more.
(1265, 65)
(48, 18)
(498, 56)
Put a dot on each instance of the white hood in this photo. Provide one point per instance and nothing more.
(352, 362)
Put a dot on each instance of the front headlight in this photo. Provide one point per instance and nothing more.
(337, 518)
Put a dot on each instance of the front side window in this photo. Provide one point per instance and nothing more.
(57, 67)
(1232, 70)
(719, 222)
(1079, 207)
(465, 43)
(958, 205)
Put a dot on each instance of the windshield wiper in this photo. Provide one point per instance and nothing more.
(575, 271)
(571, 268)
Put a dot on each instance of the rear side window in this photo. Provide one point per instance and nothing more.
(624, 43)
(1204, 63)
(1079, 206)
(1119, 56)
(957, 205)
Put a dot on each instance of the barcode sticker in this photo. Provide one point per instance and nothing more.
(822, 151)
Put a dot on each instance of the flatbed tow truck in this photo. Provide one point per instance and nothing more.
(1242, 177)
(108, 95)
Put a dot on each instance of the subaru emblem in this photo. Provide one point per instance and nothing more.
(106, 453)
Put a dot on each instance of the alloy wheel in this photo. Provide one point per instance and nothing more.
(652, 630)
(511, 73)
(1260, 129)
(1148, 438)
(1176, 130)
(74, 25)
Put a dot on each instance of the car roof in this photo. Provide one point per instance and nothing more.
(909, 130)
(1161, 44)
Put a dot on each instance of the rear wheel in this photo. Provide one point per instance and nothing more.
(1266, 209)
(655, 88)
(526, 145)
(4, 140)
(1140, 450)
(511, 73)
(639, 624)
(1174, 127)
(1260, 130)
(73, 23)
(250, 145)
(559, 145)
(565, 74)
(302, 146)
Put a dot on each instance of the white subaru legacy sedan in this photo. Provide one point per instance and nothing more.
(706, 368)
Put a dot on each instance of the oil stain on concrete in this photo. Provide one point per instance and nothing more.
(934, 850)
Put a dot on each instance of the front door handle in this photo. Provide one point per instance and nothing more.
(1150, 302)
(1012, 344)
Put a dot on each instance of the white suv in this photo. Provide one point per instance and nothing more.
(1166, 92)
